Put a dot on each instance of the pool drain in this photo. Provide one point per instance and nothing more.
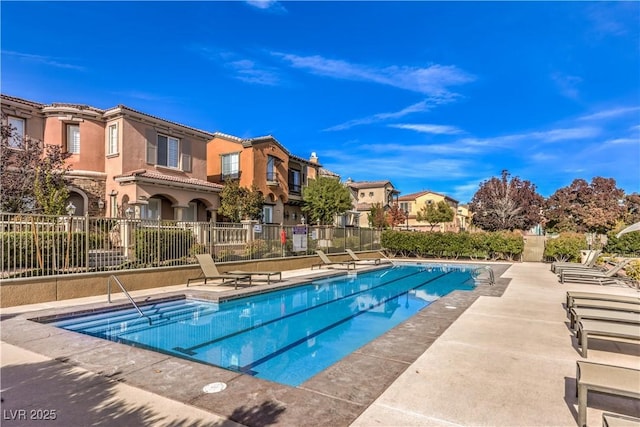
(214, 387)
(450, 307)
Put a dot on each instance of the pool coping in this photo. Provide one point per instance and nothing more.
(336, 396)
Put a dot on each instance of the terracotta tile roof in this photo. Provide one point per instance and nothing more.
(22, 101)
(248, 142)
(413, 196)
(368, 184)
(143, 173)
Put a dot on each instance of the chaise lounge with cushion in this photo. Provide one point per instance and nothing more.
(209, 271)
(326, 262)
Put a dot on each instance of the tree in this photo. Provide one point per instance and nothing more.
(584, 207)
(32, 175)
(324, 198)
(239, 203)
(376, 217)
(506, 204)
(395, 216)
(434, 214)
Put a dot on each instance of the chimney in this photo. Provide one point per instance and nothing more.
(314, 158)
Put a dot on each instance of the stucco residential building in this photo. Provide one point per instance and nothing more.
(265, 163)
(411, 204)
(366, 194)
(123, 161)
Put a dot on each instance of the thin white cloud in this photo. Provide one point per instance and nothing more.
(610, 113)
(429, 128)
(268, 5)
(621, 141)
(46, 60)
(418, 107)
(241, 68)
(247, 71)
(567, 84)
(432, 80)
(608, 19)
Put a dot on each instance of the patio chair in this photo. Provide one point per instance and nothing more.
(357, 260)
(589, 261)
(606, 305)
(326, 262)
(609, 379)
(610, 331)
(571, 295)
(209, 271)
(578, 314)
(617, 420)
(267, 274)
(587, 276)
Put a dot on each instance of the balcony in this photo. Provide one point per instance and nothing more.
(272, 179)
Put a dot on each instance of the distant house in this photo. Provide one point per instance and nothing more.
(123, 160)
(264, 162)
(366, 194)
(411, 204)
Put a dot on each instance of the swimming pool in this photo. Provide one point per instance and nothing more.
(288, 335)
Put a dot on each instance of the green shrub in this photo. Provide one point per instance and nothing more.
(497, 245)
(565, 247)
(628, 244)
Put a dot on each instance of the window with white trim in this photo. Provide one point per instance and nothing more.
(112, 142)
(73, 139)
(17, 131)
(168, 151)
(230, 166)
(267, 214)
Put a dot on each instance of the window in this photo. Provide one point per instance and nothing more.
(73, 139)
(361, 194)
(295, 183)
(267, 214)
(112, 143)
(405, 207)
(271, 168)
(17, 132)
(151, 210)
(370, 193)
(168, 151)
(190, 213)
(231, 166)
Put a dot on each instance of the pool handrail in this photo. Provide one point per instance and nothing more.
(114, 277)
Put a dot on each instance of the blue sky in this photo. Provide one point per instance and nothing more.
(430, 95)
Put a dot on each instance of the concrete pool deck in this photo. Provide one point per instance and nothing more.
(472, 358)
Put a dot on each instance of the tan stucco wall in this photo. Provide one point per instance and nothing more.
(15, 292)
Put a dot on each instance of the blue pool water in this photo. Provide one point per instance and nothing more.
(286, 336)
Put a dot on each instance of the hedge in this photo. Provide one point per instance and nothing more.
(493, 246)
(154, 247)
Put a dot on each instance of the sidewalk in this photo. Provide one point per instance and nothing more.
(508, 361)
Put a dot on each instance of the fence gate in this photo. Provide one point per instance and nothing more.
(533, 248)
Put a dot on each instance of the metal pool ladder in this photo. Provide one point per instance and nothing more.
(492, 279)
(115, 278)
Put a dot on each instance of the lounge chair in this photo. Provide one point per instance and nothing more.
(357, 260)
(326, 262)
(571, 295)
(600, 277)
(267, 274)
(589, 261)
(606, 305)
(209, 271)
(578, 314)
(609, 379)
(616, 420)
(611, 331)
